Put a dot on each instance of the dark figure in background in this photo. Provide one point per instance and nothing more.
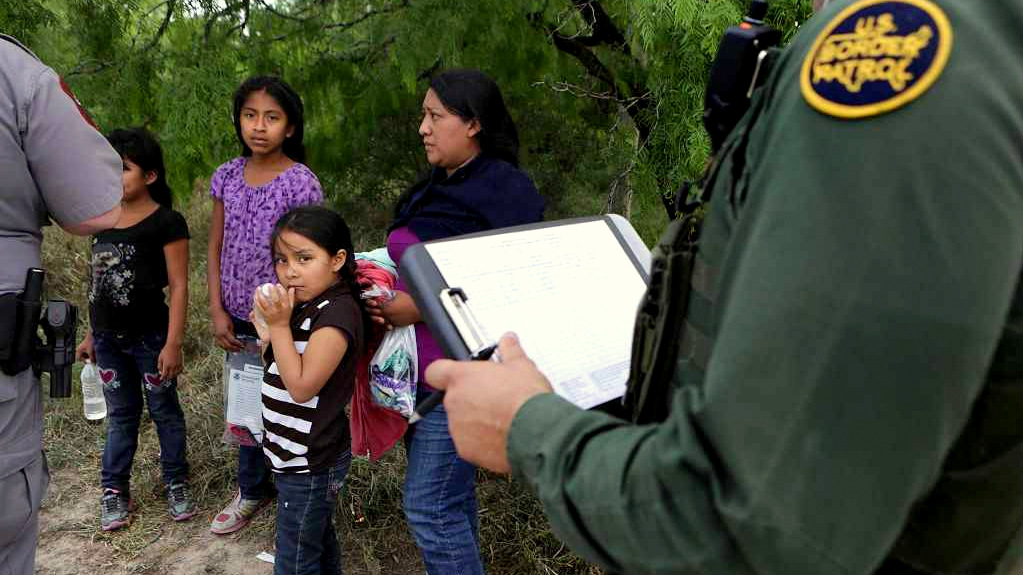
(848, 386)
(475, 185)
(53, 162)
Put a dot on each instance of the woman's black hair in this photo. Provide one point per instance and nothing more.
(289, 101)
(141, 147)
(473, 95)
(327, 229)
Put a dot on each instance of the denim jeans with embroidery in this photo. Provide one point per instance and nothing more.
(306, 540)
(440, 498)
(127, 367)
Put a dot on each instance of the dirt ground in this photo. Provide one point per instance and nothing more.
(70, 542)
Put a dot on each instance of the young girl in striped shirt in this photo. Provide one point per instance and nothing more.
(314, 323)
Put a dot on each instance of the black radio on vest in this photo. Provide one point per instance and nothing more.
(739, 67)
(741, 64)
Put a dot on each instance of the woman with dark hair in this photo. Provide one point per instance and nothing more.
(475, 185)
(249, 194)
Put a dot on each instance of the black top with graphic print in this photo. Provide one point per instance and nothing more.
(129, 272)
(310, 436)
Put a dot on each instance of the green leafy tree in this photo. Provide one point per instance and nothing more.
(608, 94)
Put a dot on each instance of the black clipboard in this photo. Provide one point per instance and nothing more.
(448, 312)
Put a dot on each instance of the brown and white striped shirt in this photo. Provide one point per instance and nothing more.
(310, 436)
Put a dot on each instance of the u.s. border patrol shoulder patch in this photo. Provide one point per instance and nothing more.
(876, 56)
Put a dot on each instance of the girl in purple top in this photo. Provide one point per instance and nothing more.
(475, 185)
(250, 194)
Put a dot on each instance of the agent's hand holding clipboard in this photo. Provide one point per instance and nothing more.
(482, 397)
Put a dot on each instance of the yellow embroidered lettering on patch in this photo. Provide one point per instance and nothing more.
(876, 56)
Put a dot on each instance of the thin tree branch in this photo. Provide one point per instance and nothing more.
(578, 49)
(246, 5)
(97, 66)
(603, 28)
(163, 26)
(89, 67)
(142, 18)
(640, 109)
(583, 92)
(365, 55)
(400, 5)
(212, 20)
(269, 8)
(428, 73)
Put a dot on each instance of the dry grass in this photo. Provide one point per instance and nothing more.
(515, 536)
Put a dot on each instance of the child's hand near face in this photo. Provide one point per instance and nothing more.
(275, 305)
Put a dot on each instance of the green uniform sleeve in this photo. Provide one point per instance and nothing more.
(863, 272)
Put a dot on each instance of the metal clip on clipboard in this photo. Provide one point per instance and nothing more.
(473, 336)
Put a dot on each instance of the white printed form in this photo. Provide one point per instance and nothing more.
(570, 293)
(245, 396)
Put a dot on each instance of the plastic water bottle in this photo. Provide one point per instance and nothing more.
(92, 393)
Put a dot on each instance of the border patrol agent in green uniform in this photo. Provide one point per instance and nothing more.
(52, 162)
(847, 385)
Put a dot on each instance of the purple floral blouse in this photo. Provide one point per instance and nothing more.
(249, 216)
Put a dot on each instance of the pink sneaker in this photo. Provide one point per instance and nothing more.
(237, 514)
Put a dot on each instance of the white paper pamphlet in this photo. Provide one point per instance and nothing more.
(244, 396)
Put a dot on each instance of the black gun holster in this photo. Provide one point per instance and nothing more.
(20, 344)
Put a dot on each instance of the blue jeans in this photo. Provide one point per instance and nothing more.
(440, 498)
(253, 475)
(306, 540)
(127, 368)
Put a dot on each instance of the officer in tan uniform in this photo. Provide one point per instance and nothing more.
(53, 164)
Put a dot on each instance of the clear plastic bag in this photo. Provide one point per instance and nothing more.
(243, 402)
(394, 370)
(378, 292)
